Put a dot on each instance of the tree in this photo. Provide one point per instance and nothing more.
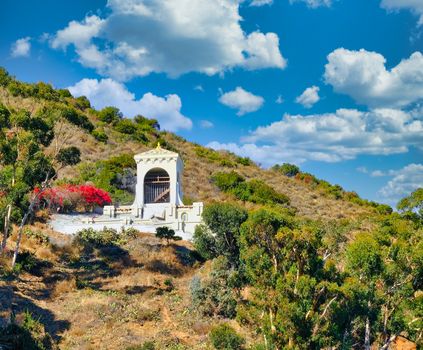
(364, 262)
(218, 293)
(100, 135)
(27, 165)
(64, 93)
(414, 202)
(146, 124)
(69, 155)
(287, 169)
(126, 126)
(295, 300)
(167, 234)
(82, 102)
(76, 118)
(224, 337)
(5, 78)
(220, 234)
(110, 115)
(24, 163)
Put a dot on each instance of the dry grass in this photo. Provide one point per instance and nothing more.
(64, 286)
(112, 303)
(196, 179)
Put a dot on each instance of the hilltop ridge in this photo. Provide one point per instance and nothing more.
(102, 140)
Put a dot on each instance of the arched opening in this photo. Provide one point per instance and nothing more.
(157, 186)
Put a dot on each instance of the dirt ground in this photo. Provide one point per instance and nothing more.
(111, 297)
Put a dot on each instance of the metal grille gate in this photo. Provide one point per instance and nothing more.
(157, 186)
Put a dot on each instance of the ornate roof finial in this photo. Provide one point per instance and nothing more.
(158, 145)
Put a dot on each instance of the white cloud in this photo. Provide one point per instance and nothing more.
(21, 47)
(362, 169)
(140, 37)
(199, 88)
(309, 97)
(332, 137)
(363, 76)
(261, 2)
(279, 100)
(404, 181)
(206, 124)
(377, 173)
(78, 33)
(240, 99)
(314, 3)
(265, 155)
(107, 92)
(415, 6)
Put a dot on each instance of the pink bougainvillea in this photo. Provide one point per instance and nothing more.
(73, 197)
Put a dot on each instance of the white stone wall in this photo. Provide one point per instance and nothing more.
(172, 164)
(175, 215)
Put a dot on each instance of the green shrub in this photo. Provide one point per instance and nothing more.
(107, 175)
(104, 237)
(5, 78)
(217, 294)
(148, 345)
(255, 191)
(26, 261)
(146, 124)
(100, 135)
(82, 103)
(264, 194)
(110, 115)
(227, 163)
(227, 181)
(4, 116)
(244, 161)
(77, 118)
(214, 156)
(207, 153)
(37, 235)
(224, 337)
(168, 282)
(220, 233)
(167, 234)
(69, 156)
(46, 92)
(287, 169)
(64, 93)
(29, 335)
(126, 126)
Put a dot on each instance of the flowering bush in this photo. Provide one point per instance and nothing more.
(73, 197)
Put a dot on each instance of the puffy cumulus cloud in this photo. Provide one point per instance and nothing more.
(107, 92)
(332, 137)
(21, 47)
(140, 37)
(314, 3)
(309, 97)
(240, 99)
(265, 155)
(404, 181)
(414, 5)
(363, 76)
(78, 33)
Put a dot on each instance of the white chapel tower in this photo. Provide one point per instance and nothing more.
(159, 173)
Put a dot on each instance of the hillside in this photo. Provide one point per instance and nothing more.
(283, 261)
(199, 165)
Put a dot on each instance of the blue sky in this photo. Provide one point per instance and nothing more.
(334, 86)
